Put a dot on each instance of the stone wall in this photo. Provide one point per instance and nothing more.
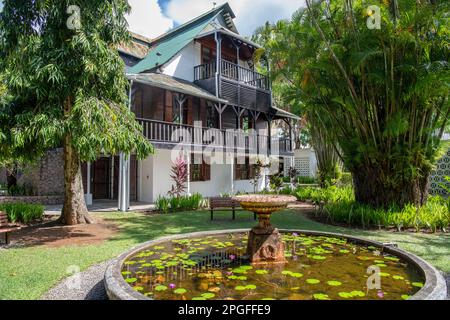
(44, 200)
(47, 176)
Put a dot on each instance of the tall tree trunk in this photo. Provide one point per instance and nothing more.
(74, 210)
(11, 176)
(372, 187)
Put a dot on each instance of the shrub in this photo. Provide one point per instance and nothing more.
(346, 180)
(162, 204)
(306, 180)
(176, 204)
(22, 212)
(433, 216)
(276, 182)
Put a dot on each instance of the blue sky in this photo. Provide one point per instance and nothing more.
(151, 18)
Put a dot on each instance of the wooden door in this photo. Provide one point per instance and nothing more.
(101, 173)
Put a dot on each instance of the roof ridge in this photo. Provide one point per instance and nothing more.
(188, 23)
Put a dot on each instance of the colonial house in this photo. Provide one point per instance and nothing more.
(195, 88)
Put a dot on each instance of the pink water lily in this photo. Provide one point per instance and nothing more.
(380, 294)
(172, 286)
(295, 234)
(232, 257)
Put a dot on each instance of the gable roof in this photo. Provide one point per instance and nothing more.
(169, 44)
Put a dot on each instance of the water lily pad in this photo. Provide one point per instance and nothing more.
(384, 274)
(345, 295)
(334, 283)
(199, 298)
(318, 257)
(180, 291)
(138, 288)
(296, 275)
(208, 295)
(239, 288)
(160, 288)
(405, 297)
(321, 296)
(130, 280)
(126, 273)
(398, 278)
(358, 294)
(267, 299)
(261, 272)
(381, 265)
(250, 287)
(312, 281)
(344, 251)
(417, 284)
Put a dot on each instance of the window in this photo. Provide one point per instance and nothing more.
(199, 169)
(243, 171)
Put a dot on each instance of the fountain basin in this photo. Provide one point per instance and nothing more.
(119, 286)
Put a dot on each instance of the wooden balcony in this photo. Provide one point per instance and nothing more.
(240, 86)
(167, 135)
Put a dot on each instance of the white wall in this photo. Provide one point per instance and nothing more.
(182, 65)
(155, 179)
(309, 155)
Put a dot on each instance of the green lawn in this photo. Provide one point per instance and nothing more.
(27, 273)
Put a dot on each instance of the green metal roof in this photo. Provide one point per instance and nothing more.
(169, 44)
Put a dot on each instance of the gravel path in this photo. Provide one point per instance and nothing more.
(87, 285)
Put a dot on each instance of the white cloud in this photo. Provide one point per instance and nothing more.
(250, 14)
(147, 19)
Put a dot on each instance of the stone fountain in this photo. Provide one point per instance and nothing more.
(265, 244)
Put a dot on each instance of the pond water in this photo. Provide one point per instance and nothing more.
(318, 267)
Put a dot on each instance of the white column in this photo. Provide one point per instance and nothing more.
(124, 183)
(88, 195)
(232, 174)
(188, 161)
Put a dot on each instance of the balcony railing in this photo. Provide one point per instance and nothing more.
(234, 72)
(172, 133)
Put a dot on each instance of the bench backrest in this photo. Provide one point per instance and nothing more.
(223, 203)
(3, 219)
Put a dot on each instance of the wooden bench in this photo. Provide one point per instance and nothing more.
(224, 204)
(5, 227)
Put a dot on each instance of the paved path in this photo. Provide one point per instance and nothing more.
(87, 285)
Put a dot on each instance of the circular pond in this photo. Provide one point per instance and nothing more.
(204, 266)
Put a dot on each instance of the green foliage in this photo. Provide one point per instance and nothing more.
(338, 205)
(379, 95)
(326, 195)
(177, 204)
(65, 83)
(22, 212)
(346, 180)
(20, 190)
(433, 216)
(306, 180)
(162, 205)
(276, 182)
